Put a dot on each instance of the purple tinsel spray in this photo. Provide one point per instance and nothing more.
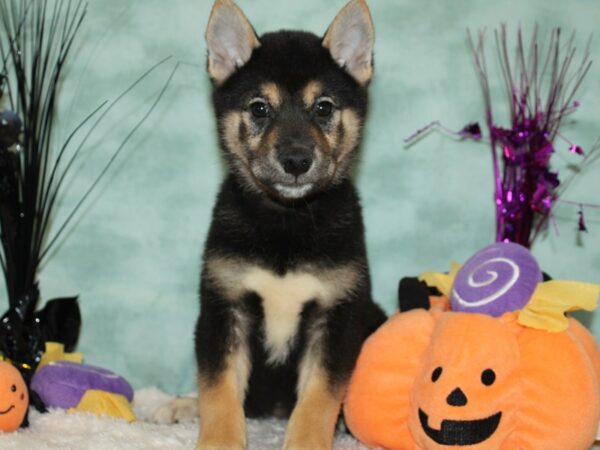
(540, 84)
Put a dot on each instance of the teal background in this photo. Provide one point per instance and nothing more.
(134, 252)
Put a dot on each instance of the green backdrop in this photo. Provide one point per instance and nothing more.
(134, 253)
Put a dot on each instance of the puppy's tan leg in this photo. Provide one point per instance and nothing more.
(312, 423)
(220, 407)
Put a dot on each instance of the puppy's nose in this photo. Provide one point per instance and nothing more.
(457, 398)
(296, 160)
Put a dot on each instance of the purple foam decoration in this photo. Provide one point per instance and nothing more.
(62, 383)
(499, 278)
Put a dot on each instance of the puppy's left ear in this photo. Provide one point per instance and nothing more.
(350, 38)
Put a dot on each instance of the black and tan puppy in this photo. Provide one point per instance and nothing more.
(285, 289)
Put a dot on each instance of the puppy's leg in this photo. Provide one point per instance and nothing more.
(312, 423)
(223, 364)
(222, 422)
(331, 352)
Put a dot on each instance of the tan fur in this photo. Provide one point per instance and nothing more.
(272, 94)
(329, 142)
(351, 124)
(312, 423)
(310, 92)
(253, 139)
(220, 406)
(283, 297)
(267, 142)
(239, 360)
(231, 133)
(326, 141)
(311, 359)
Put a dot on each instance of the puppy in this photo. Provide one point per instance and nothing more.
(285, 288)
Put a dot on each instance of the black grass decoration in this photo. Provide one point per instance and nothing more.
(36, 37)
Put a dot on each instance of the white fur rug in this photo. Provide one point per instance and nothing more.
(59, 430)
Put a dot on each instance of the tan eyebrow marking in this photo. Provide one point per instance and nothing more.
(311, 91)
(272, 93)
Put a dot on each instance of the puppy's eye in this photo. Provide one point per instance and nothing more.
(259, 109)
(324, 107)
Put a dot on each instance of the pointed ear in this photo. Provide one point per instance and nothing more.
(230, 40)
(350, 38)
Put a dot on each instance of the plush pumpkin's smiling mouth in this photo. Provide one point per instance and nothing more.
(461, 432)
(6, 411)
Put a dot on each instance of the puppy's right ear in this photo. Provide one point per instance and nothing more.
(349, 39)
(230, 40)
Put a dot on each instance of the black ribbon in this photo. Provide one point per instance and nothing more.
(23, 336)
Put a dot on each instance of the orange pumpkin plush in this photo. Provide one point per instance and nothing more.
(438, 379)
(14, 398)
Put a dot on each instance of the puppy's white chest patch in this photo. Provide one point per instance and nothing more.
(283, 299)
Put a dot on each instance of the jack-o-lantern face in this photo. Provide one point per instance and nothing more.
(461, 432)
(466, 393)
(14, 398)
(434, 380)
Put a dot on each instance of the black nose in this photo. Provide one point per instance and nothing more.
(296, 163)
(296, 159)
(457, 398)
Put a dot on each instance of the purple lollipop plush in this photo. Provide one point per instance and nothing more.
(62, 383)
(499, 278)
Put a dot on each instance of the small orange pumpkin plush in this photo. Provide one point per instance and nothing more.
(438, 379)
(14, 397)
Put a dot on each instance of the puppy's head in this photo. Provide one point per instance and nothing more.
(290, 105)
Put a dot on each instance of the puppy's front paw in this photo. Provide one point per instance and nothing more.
(180, 409)
(226, 435)
(201, 446)
(307, 438)
(307, 444)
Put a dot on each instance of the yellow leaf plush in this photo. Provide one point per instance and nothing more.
(105, 403)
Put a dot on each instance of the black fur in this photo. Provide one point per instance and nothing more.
(290, 59)
(325, 229)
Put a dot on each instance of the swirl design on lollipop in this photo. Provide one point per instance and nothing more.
(500, 278)
(493, 275)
